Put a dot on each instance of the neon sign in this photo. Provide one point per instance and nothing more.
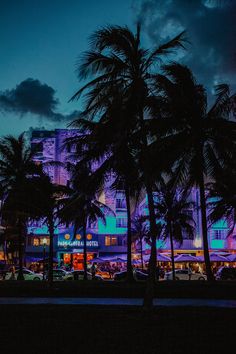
(76, 243)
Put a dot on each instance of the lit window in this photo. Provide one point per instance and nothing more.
(42, 240)
(35, 242)
(107, 240)
(111, 241)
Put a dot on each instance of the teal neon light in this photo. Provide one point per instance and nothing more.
(221, 224)
(218, 244)
(110, 227)
(43, 230)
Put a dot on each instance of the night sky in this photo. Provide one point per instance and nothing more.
(40, 41)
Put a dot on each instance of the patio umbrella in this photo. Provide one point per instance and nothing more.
(231, 258)
(214, 257)
(119, 259)
(136, 261)
(107, 258)
(160, 258)
(32, 259)
(97, 260)
(163, 258)
(186, 258)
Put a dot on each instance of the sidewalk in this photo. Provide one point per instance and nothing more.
(117, 302)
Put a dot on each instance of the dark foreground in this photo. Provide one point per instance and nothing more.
(180, 289)
(109, 330)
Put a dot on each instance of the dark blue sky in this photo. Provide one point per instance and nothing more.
(41, 39)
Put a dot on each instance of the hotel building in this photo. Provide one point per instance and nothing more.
(108, 239)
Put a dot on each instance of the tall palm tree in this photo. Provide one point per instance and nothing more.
(140, 232)
(17, 168)
(44, 201)
(222, 198)
(123, 67)
(81, 207)
(172, 209)
(196, 139)
(106, 143)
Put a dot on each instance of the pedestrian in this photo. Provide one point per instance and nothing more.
(13, 277)
(93, 270)
(189, 273)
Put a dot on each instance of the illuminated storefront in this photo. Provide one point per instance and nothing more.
(70, 249)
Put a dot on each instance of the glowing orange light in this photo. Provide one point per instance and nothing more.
(89, 237)
(67, 236)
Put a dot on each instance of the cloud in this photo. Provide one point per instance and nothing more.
(32, 96)
(211, 29)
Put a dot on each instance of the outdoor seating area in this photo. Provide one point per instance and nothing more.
(107, 266)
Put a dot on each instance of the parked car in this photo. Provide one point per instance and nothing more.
(138, 275)
(58, 274)
(4, 269)
(28, 275)
(79, 275)
(226, 273)
(183, 274)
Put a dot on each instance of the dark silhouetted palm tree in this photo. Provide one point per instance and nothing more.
(196, 139)
(107, 144)
(44, 201)
(17, 168)
(222, 198)
(174, 211)
(119, 66)
(81, 208)
(140, 232)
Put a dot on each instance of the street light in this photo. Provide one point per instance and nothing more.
(44, 253)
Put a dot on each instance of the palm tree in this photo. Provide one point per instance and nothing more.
(222, 198)
(140, 232)
(106, 143)
(172, 209)
(81, 207)
(123, 68)
(197, 140)
(16, 169)
(44, 202)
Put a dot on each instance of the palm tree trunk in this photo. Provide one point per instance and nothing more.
(129, 237)
(149, 293)
(85, 250)
(209, 273)
(20, 250)
(141, 251)
(5, 252)
(172, 251)
(50, 261)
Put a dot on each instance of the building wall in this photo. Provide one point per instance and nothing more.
(51, 143)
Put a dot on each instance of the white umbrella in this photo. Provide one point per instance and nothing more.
(186, 258)
(214, 257)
